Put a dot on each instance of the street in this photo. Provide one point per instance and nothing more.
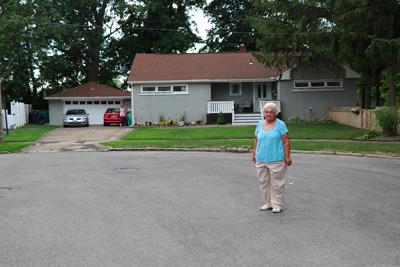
(195, 209)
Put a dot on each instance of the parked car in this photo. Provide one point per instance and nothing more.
(111, 116)
(75, 117)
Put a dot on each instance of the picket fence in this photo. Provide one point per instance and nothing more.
(18, 115)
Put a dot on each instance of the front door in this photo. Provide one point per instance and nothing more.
(263, 92)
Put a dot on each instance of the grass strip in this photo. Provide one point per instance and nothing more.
(296, 131)
(12, 147)
(28, 133)
(351, 147)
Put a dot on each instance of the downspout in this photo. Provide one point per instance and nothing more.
(132, 107)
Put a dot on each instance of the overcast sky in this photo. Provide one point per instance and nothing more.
(202, 25)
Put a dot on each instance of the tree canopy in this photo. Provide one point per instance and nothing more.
(364, 34)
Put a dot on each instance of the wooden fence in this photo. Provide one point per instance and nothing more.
(355, 116)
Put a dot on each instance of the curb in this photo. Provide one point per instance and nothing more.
(243, 150)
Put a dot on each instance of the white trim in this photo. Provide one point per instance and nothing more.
(324, 81)
(87, 98)
(171, 92)
(317, 90)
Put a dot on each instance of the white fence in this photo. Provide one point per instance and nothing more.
(220, 106)
(19, 115)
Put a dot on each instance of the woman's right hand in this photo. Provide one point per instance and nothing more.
(254, 158)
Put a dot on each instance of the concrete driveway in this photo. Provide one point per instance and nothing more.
(77, 138)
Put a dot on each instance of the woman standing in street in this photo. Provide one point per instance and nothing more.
(271, 155)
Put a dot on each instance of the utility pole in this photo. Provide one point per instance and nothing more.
(1, 117)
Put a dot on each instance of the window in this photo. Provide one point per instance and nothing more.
(67, 102)
(165, 89)
(235, 89)
(82, 102)
(315, 85)
(111, 102)
(104, 102)
(179, 88)
(148, 89)
(117, 102)
(89, 102)
(75, 102)
(96, 102)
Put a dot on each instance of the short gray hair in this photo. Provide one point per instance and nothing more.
(270, 105)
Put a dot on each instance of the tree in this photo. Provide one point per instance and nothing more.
(22, 46)
(231, 25)
(361, 33)
(157, 26)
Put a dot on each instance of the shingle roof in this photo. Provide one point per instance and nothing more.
(200, 66)
(91, 89)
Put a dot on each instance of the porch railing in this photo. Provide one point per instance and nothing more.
(221, 106)
(263, 102)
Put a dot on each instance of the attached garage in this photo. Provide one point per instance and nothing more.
(93, 97)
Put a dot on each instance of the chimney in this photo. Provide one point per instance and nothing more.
(242, 48)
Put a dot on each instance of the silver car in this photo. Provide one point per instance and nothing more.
(75, 117)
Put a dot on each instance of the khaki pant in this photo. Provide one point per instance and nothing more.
(272, 176)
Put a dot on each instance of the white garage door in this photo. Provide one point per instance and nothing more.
(95, 108)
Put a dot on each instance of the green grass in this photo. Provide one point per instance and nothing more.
(12, 147)
(296, 131)
(28, 133)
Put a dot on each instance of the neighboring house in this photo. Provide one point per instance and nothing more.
(199, 86)
(93, 97)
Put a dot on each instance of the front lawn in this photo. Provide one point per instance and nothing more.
(296, 131)
(27, 133)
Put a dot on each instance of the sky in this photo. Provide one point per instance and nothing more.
(202, 25)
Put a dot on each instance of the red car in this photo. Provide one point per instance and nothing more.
(111, 116)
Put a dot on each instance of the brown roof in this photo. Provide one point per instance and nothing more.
(90, 89)
(200, 66)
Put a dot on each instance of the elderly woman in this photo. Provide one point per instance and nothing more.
(271, 155)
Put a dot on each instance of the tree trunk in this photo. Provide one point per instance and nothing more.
(392, 91)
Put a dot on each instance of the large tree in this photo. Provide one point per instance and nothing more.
(362, 33)
(23, 45)
(230, 25)
(157, 26)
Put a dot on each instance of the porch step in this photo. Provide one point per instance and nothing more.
(246, 118)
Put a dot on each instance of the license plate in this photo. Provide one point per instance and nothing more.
(113, 116)
(75, 122)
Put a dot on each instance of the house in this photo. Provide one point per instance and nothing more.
(198, 86)
(93, 97)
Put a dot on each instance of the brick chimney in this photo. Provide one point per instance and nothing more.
(242, 48)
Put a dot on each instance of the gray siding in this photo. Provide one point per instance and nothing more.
(221, 92)
(55, 112)
(297, 103)
(193, 105)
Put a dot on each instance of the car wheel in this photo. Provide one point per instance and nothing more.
(105, 124)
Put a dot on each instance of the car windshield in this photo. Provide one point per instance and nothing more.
(76, 112)
(111, 110)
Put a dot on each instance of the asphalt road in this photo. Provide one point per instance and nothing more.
(195, 209)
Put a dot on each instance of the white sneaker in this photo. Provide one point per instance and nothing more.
(265, 207)
(277, 210)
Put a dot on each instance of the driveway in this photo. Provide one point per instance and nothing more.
(77, 138)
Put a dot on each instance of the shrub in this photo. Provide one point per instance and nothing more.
(295, 119)
(388, 119)
(221, 119)
(325, 119)
(370, 134)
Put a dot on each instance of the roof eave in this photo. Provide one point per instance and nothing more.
(86, 97)
(269, 79)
